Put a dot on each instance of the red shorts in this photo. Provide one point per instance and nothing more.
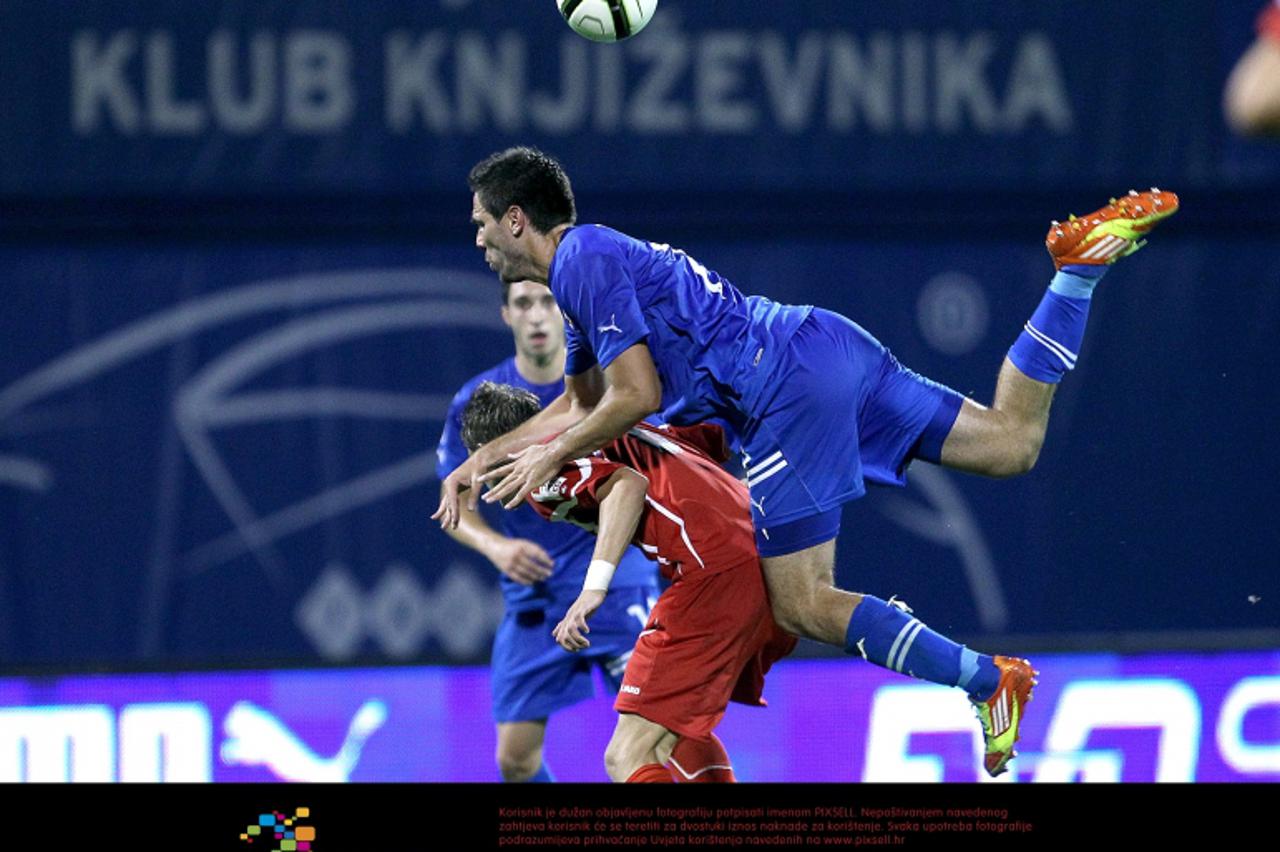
(710, 640)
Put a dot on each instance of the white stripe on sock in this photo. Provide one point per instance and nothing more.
(906, 649)
(1065, 355)
(897, 642)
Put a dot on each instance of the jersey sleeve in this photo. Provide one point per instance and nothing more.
(450, 452)
(598, 297)
(578, 357)
(575, 490)
(708, 438)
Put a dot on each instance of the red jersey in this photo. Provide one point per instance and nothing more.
(697, 517)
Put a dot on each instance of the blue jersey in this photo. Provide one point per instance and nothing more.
(714, 348)
(570, 547)
(815, 402)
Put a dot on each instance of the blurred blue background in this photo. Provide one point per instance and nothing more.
(242, 289)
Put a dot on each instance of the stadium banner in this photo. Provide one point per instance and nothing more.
(225, 454)
(1096, 718)
(163, 97)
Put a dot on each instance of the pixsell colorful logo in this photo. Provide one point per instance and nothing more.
(281, 833)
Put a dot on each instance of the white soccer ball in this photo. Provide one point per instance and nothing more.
(607, 20)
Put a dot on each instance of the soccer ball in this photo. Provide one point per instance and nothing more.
(607, 20)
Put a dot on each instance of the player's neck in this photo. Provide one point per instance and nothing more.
(541, 369)
(545, 251)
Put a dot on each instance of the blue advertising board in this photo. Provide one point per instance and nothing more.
(165, 97)
(225, 454)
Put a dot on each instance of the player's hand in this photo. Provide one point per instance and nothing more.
(465, 477)
(524, 472)
(450, 494)
(569, 633)
(521, 560)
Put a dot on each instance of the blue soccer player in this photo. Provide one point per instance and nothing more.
(819, 404)
(542, 565)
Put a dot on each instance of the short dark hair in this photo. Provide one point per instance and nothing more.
(506, 287)
(528, 179)
(493, 411)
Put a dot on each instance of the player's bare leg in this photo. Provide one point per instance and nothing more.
(638, 744)
(805, 601)
(520, 750)
(1005, 438)
(803, 595)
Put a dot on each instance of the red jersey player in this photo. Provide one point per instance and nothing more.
(711, 637)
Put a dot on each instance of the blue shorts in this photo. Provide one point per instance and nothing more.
(844, 412)
(533, 677)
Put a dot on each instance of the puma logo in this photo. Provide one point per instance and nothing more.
(612, 326)
(255, 737)
(759, 505)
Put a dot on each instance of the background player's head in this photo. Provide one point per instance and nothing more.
(535, 320)
(494, 410)
(517, 191)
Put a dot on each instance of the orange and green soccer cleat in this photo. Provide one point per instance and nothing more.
(1001, 714)
(1115, 231)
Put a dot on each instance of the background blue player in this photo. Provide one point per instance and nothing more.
(819, 404)
(542, 565)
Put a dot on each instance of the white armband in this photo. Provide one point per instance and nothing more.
(599, 575)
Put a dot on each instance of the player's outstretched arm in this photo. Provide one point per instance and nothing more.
(1251, 100)
(524, 561)
(632, 392)
(561, 413)
(621, 505)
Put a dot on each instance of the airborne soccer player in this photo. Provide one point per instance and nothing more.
(819, 404)
(541, 568)
(710, 638)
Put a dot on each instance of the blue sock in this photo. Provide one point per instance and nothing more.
(544, 776)
(1050, 341)
(885, 634)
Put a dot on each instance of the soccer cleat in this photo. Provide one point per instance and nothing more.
(1001, 714)
(1115, 231)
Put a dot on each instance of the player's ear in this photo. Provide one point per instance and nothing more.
(515, 220)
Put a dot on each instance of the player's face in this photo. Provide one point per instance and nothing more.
(502, 251)
(535, 319)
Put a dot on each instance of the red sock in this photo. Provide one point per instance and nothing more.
(702, 761)
(651, 773)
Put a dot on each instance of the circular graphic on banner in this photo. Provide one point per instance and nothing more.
(952, 313)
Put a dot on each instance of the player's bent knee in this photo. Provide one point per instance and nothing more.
(635, 742)
(1021, 455)
(621, 758)
(518, 766)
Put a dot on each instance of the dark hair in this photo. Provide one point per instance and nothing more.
(528, 179)
(493, 411)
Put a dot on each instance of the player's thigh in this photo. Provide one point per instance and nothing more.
(969, 442)
(794, 579)
(521, 742)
